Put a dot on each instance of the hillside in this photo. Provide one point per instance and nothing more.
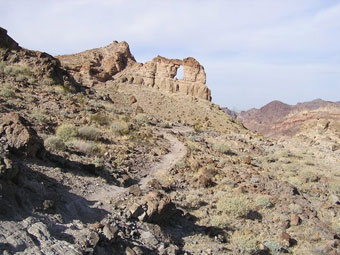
(278, 119)
(103, 155)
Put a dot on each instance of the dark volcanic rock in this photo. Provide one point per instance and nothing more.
(20, 137)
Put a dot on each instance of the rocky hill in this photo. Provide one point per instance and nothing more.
(103, 155)
(276, 118)
(115, 62)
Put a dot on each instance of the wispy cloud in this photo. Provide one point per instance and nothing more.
(253, 51)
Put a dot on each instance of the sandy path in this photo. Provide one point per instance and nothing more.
(177, 152)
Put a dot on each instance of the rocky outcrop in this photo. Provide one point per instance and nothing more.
(20, 138)
(39, 67)
(116, 63)
(154, 207)
(98, 65)
(7, 42)
(160, 73)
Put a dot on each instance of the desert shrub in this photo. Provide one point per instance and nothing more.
(3, 64)
(295, 208)
(48, 81)
(86, 147)
(273, 246)
(223, 148)
(120, 127)
(192, 138)
(263, 201)
(244, 243)
(142, 118)
(7, 92)
(220, 221)
(39, 116)
(335, 223)
(181, 165)
(102, 120)
(60, 89)
(66, 132)
(233, 206)
(32, 80)
(55, 143)
(193, 146)
(89, 133)
(15, 70)
(197, 127)
(81, 99)
(335, 187)
(309, 176)
(20, 77)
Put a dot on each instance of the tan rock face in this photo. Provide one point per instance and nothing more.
(100, 64)
(160, 73)
(115, 62)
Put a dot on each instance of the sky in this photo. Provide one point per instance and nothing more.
(253, 51)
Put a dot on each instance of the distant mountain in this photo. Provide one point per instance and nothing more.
(230, 112)
(277, 118)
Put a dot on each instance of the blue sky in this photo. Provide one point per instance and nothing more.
(253, 51)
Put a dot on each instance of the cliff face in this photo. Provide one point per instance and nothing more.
(116, 63)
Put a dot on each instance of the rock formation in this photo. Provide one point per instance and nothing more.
(34, 65)
(98, 65)
(115, 62)
(6, 41)
(160, 73)
(20, 137)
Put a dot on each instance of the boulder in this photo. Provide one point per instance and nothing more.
(20, 137)
(154, 207)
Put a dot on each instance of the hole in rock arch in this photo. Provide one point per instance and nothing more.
(180, 73)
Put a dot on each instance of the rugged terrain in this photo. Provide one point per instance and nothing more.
(103, 155)
(279, 119)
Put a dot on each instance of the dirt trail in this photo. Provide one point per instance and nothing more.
(177, 152)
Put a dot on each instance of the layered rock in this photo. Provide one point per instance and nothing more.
(160, 73)
(116, 63)
(98, 65)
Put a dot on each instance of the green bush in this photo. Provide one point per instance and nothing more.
(233, 206)
(223, 148)
(86, 147)
(119, 127)
(89, 133)
(3, 64)
(335, 187)
(32, 80)
(54, 143)
(102, 120)
(39, 116)
(20, 77)
(142, 118)
(66, 132)
(244, 243)
(60, 89)
(48, 81)
(6, 92)
(263, 201)
(15, 70)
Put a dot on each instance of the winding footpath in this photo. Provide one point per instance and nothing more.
(177, 152)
